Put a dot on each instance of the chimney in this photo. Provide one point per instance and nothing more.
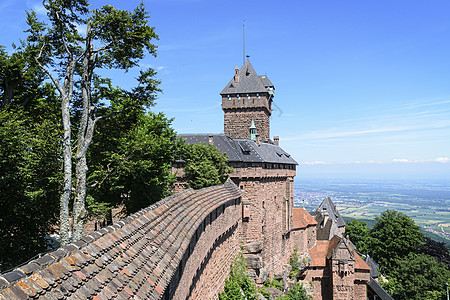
(236, 74)
(210, 140)
(325, 218)
(258, 140)
(276, 140)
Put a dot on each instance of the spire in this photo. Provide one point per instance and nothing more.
(252, 131)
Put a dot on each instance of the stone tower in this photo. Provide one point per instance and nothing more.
(247, 96)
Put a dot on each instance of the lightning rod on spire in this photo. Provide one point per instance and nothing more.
(243, 42)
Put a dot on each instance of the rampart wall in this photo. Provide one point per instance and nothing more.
(180, 247)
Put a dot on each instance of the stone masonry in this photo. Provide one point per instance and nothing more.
(247, 96)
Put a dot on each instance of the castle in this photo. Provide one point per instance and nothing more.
(272, 228)
(182, 246)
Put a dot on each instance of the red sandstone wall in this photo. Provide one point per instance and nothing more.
(268, 217)
(207, 264)
(238, 113)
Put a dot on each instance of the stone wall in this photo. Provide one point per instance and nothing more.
(267, 217)
(238, 114)
(205, 266)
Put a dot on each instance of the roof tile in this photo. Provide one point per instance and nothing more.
(136, 257)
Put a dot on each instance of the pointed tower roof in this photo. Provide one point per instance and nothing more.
(247, 81)
(328, 206)
(252, 126)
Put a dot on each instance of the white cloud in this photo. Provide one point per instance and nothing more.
(401, 160)
(439, 160)
(315, 163)
(443, 160)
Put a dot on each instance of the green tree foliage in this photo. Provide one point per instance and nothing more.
(205, 166)
(133, 166)
(358, 234)
(393, 237)
(295, 264)
(50, 87)
(30, 181)
(114, 39)
(238, 285)
(417, 277)
(393, 242)
(298, 292)
(438, 250)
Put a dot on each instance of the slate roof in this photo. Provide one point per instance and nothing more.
(135, 257)
(241, 150)
(374, 273)
(302, 218)
(328, 206)
(249, 82)
(378, 290)
(328, 230)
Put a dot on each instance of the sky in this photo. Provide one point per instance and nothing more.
(362, 88)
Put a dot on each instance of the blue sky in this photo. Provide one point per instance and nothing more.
(362, 87)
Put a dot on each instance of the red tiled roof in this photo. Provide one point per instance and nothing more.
(323, 250)
(319, 254)
(360, 263)
(135, 257)
(302, 218)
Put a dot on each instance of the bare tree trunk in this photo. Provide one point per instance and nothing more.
(66, 92)
(67, 185)
(79, 211)
(85, 134)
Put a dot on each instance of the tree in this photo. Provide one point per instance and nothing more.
(30, 180)
(114, 39)
(436, 250)
(238, 285)
(133, 160)
(298, 292)
(205, 166)
(393, 237)
(359, 234)
(417, 276)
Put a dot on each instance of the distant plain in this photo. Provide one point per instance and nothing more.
(426, 202)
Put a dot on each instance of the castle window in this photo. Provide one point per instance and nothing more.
(229, 97)
(257, 95)
(248, 96)
(238, 96)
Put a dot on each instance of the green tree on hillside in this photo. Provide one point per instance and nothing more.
(205, 166)
(417, 277)
(393, 237)
(359, 234)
